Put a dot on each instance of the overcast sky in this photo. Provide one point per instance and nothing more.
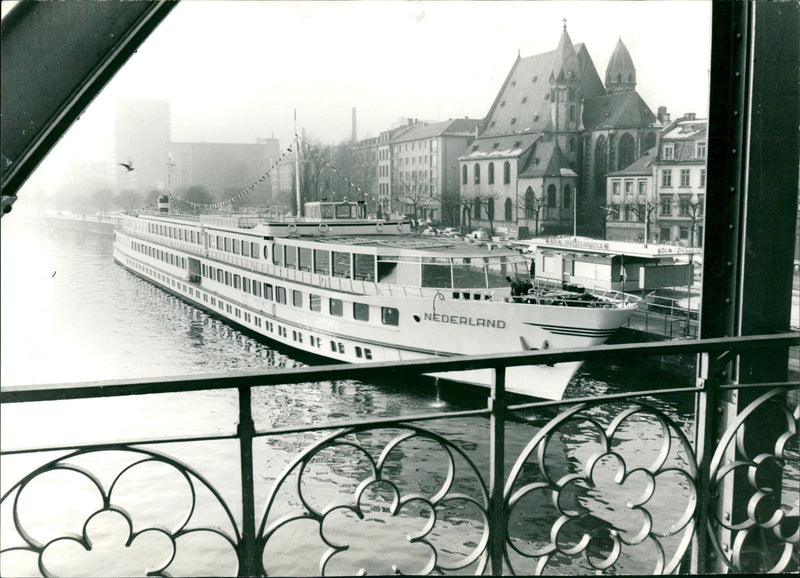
(235, 71)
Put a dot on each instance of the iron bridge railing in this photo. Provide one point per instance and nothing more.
(606, 484)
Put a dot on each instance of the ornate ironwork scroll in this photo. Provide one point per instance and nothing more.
(583, 495)
(377, 500)
(759, 531)
(121, 512)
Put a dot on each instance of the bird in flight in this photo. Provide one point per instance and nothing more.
(128, 165)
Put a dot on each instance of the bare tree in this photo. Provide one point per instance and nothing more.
(128, 200)
(644, 212)
(414, 192)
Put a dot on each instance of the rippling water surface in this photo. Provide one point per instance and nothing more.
(69, 314)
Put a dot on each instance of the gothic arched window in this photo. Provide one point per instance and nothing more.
(627, 151)
(506, 173)
(649, 141)
(477, 173)
(529, 203)
(463, 174)
(491, 174)
(476, 208)
(567, 196)
(509, 210)
(600, 160)
(490, 208)
(552, 196)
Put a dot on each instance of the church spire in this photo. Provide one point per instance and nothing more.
(564, 60)
(620, 72)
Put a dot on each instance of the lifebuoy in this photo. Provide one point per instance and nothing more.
(399, 226)
(323, 227)
(292, 227)
(379, 226)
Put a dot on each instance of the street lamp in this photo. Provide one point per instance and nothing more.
(694, 205)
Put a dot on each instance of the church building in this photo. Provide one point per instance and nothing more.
(538, 165)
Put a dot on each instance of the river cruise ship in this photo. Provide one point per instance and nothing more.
(338, 284)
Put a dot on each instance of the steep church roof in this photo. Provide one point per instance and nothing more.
(547, 160)
(523, 103)
(620, 110)
(620, 72)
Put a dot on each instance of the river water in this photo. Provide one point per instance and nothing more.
(70, 314)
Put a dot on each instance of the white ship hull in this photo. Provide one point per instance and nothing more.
(430, 322)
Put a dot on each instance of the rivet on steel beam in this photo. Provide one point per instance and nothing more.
(729, 264)
(727, 516)
(734, 151)
(720, 409)
(737, 74)
(738, 36)
(736, 112)
(727, 301)
(730, 226)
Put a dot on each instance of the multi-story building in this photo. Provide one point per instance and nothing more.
(423, 161)
(141, 137)
(680, 181)
(631, 204)
(223, 168)
(550, 137)
(664, 190)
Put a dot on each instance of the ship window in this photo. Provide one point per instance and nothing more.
(322, 261)
(333, 346)
(227, 278)
(256, 288)
(358, 351)
(291, 257)
(367, 353)
(497, 272)
(267, 291)
(254, 250)
(336, 307)
(245, 249)
(227, 245)
(314, 302)
(297, 298)
(246, 286)
(341, 347)
(343, 211)
(304, 261)
(277, 254)
(390, 316)
(236, 281)
(237, 246)
(364, 267)
(341, 264)
(220, 276)
(392, 270)
(436, 275)
(468, 273)
(280, 295)
(361, 311)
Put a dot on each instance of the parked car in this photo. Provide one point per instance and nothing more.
(481, 234)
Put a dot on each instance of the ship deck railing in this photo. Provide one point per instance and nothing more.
(650, 493)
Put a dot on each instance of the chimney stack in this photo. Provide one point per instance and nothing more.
(663, 115)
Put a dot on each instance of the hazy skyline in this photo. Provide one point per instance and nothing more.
(236, 71)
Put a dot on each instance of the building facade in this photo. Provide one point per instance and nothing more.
(552, 134)
(680, 181)
(224, 169)
(423, 178)
(663, 192)
(141, 137)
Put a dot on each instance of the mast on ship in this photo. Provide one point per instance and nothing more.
(297, 166)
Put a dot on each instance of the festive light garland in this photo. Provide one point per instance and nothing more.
(267, 175)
